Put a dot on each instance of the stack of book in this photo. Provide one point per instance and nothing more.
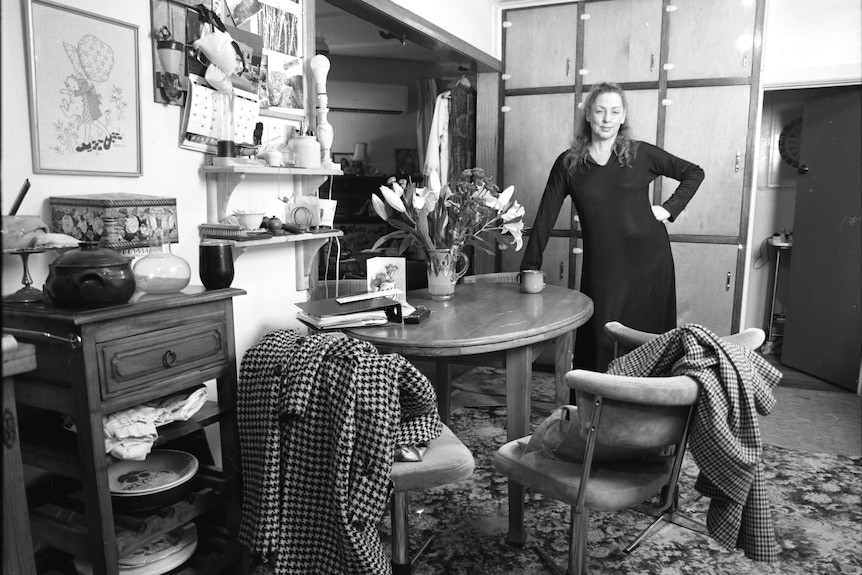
(361, 310)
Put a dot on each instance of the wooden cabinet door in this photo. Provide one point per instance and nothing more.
(710, 39)
(541, 45)
(705, 280)
(536, 129)
(622, 41)
(708, 126)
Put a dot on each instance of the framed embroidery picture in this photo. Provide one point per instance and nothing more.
(82, 73)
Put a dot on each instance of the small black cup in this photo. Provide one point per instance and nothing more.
(216, 264)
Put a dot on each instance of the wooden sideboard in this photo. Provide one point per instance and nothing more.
(90, 363)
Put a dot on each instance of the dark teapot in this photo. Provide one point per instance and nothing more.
(90, 276)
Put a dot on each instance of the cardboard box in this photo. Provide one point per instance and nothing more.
(116, 220)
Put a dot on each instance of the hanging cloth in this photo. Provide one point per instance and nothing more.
(462, 128)
(427, 90)
(437, 155)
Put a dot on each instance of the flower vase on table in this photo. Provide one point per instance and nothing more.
(443, 271)
(443, 221)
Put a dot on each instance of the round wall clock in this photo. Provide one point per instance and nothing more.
(790, 142)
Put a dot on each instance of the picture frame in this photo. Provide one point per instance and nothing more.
(407, 162)
(342, 159)
(84, 96)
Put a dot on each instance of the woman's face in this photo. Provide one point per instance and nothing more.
(606, 116)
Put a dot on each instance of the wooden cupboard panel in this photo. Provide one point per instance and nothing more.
(622, 41)
(705, 280)
(710, 39)
(642, 114)
(536, 130)
(541, 45)
(708, 126)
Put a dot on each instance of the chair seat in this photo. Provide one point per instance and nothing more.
(612, 486)
(446, 461)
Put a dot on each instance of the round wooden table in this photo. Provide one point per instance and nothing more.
(485, 321)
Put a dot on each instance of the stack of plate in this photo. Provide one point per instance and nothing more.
(163, 478)
(157, 557)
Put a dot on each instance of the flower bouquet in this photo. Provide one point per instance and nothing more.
(470, 212)
(473, 211)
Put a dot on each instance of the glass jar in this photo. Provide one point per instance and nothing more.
(160, 271)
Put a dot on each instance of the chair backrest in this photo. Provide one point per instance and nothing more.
(640, 414)
(627, 339)
(500, 278)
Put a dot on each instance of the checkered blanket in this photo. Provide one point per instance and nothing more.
(736, 384)
(318, 418)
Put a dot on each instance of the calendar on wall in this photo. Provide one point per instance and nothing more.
(199, 131)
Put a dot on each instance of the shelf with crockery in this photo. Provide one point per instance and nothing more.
(223, 180)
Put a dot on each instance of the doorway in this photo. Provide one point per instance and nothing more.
(774, 209)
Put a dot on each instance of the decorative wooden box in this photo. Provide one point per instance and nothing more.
(116, 220)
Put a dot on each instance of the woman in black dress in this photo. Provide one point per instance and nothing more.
(628, 265)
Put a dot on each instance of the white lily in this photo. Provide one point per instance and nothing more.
(393, 198)
(424, 198)
(379, 207)
(515, 212)
(500, 202)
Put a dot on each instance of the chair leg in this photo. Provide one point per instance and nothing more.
(398, 512)
(578, 542)
(671, 515)
(402, 564)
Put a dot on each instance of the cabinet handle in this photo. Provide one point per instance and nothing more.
(652, 61)
(506, 77)
(169, 359)
(568, 66)
(745, 59)
(10, 429)
(736, 164)
(562, 270)
(727, 283)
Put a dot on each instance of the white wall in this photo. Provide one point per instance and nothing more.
(476, 22)
(812, 43)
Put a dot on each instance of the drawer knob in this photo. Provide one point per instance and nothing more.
(169, 359)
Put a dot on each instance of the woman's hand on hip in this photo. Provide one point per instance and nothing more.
(660, 213)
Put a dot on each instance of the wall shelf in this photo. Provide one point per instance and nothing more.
(307, 246)
(223, 180)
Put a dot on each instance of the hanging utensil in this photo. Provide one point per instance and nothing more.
(20, 197)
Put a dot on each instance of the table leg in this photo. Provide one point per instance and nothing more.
(519, 372)
(442, 385)
(563, 358)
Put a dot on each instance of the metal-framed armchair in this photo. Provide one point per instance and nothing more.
(630, 435)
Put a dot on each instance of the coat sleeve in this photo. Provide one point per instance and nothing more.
(549, 209)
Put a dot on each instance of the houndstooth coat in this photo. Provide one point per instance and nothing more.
(319, 417)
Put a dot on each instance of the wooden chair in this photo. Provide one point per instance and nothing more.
(633, 432)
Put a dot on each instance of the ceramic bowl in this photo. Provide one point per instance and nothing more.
(272, 158)
(249, 220)
(159, 556)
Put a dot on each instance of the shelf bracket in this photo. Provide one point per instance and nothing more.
(306, 254)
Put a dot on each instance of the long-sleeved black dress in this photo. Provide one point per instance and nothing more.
(628, 267)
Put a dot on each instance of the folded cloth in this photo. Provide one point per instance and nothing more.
(131, 433)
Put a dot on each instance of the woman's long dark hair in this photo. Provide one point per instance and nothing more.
(625, 147)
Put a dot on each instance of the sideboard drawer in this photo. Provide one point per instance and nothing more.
(132, 362)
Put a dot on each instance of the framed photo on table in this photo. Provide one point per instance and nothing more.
(85, 114)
